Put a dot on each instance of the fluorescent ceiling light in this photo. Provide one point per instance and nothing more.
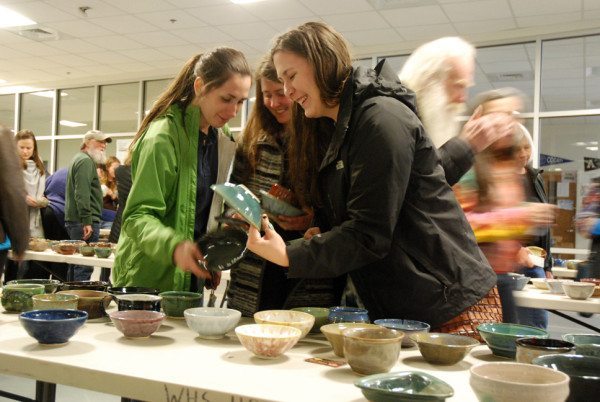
(71, 123)
(16, 88)
(10, 18)
(592, 148)
(580, 144)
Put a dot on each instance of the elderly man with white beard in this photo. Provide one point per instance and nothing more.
(440, 73)
(83, 197)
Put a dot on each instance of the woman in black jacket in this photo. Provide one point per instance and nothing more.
(387, 217)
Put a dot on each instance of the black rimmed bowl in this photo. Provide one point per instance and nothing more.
(52, 327)
(85, 285)
(138, 302)
(223, 248)
(584, 372)
(132, 290)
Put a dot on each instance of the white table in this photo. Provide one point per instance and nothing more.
(175, 365)
(538, 298)
(76, 259)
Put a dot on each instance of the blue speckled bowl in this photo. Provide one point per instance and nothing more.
(52, 326)
(242, 200)
(404, 386)
(407, 326)
(348, 314)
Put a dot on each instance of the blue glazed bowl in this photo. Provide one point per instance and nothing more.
(501, 337)
(51, 327)
(348, 314)
(409, 327)
(584, 372)
(404, 386)
(242, 200)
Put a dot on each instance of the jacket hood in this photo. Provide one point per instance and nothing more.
(381, 81)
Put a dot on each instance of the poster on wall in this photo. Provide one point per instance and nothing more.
(591, 163)
(122, 149)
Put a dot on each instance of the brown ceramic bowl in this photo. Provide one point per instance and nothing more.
(333, 333)
(93, 302)
(37, 244)
(444, 349)
(372, 350)
(102, 244)
(66, 249)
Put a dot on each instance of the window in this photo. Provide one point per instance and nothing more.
(7, 110)
(152, 90)
(36, 112)
(119, 108)
(75, 110)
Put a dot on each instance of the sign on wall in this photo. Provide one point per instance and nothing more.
(546, 160)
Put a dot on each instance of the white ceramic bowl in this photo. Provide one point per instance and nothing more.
(211, 322)
(297, 319)
(555, 285)
(579, 290)
(539, 283)
(268, 341)
(510, 382)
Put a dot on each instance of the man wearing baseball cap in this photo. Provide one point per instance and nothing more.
(83, 198)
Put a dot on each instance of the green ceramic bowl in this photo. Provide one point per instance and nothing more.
(501, 337)
(102, 252)
(404, 386)
(50, 285)
(55, 301)
(446, 349)
(16, 298)
(582, 339)
(242, 200)
(321, 315)
(174, 303)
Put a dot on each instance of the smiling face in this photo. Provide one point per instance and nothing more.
(222, 103)
(26, 148)
(298, 79)
(276, 101)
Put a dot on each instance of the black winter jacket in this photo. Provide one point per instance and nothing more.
(389, 219)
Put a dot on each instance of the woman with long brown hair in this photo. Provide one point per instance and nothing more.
(180, 150)
(388, 219)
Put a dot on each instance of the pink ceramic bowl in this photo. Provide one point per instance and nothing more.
(268, 341)
(137, 323)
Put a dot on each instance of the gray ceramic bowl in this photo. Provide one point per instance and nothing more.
(409, 327)
(372, 350)
(445, 349)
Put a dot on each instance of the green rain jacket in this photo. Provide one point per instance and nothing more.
(160, 210)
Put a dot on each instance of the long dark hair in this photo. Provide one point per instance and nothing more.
(214, 68)
(329, 56)
(28, 135)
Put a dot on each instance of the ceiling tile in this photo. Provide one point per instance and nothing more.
(180, 52)
(140, 6)
(255, 30)
(162, 19)
(8, 53)
(196, 3)
(98, 8)
(473, 27)
(426, 32)
(234, 14)
(124, 24)
(203, 35)
(36, 48)
(373, 37)
(133, 67)
(78, 28)
(7, 37)
(271, 10)
(74, 46)
(41, 12)
(541, 7)
(478, 11)
(101, 69)
(71, 60)
(415, 16)
(37, 62)
(108, 57)
(285, 25)
(157, 38)
(548, 19)
(356, 22)
(115, 42)
(591, 15)
(146, 55)
(321, 7)
(591, 4)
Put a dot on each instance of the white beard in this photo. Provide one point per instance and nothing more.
(438, 115)
(98, 156)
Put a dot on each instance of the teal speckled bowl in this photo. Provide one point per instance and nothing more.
(501, 337)
(242, 200)
(404, 386)
(16, 298)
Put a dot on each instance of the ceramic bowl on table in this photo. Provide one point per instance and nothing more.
(211, 322)
(87, 251)
(55, 301)
(404, 386)
(333, 333)
(175, 302)
(578, 290)
(348, 314)
(275, 206)
(267, 341)
(102, 244)
(242, 200)
(444, 349)
(37, 244)
(66, 248)
(16, 298)
(50, 285)
(137, 323)
(501, 337)
(519, 280)
(132, 290)
(585, 344)
(596, 282)
(137, 302)
(539, 283)
(321, 315)
(512, 382)
(584, 372)
(297, 319)
(409, 327)
(102, 252)
(556, 285)
(94, 302)
(530, 348)
(85, 285)
(51, 327)
(372, 350)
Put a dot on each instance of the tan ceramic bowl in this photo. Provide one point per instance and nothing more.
(333, 333)
(297, 319)
(372, 350)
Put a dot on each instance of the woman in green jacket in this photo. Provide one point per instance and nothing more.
(181, 148)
